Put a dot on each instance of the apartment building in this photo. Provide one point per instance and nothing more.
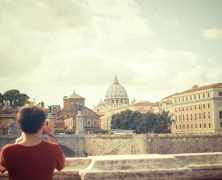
(198, 109)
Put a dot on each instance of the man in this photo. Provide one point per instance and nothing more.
(30, 158)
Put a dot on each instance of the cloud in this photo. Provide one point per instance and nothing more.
(33, 30)
(214, 33)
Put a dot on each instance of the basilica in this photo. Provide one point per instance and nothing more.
(116, 100)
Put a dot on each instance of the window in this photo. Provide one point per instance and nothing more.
(195, 107)
(180, 126)
(200, 125)
(204, 115)
(220, 114)
(203, 105)
(88, 123)
(209, 125)
(208, 94)
(199, 115)
(183, 117)
(187, 116)
(194, 96)
(219, 93)
(220, 124)
(208, 105)
(187, 126)
(195, 116)
(203, 95)
(191, 126)
(199, 96)
(199, 106)
(195, 125)
(175, 109)
(190, 107)
(190, 97)
(204, 125)
(186, 98)
(209, 115)
(191, 117)
(94, 123)
(184, 126)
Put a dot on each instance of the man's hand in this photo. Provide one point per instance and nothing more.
(48, 127)
(48, 130)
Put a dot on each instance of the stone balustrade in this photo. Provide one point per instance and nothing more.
(142, 167)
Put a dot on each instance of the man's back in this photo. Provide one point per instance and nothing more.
(32, 163)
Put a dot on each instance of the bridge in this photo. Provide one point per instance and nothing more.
(72, 145)
(111, 144)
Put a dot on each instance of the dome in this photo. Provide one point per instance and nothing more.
(116, 90)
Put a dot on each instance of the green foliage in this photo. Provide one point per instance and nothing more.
(15, 98)
(59, 130)
(142, 123)
(1, 99)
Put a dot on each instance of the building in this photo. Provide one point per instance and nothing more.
(116, 100)
(195, 110)
(73, 104)
(56, 115)
(8, 121)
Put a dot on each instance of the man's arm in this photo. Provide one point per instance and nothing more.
(2, 162)
(60, 158)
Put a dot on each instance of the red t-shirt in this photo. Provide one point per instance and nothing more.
(31, 163)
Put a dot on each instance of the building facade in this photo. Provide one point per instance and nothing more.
(75, 103)
(195, 110)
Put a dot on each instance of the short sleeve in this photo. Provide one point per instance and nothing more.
(2, 161)
(60, 158)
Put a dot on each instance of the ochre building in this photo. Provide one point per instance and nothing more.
(195, 110)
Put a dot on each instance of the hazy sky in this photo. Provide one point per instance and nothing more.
(155, 47)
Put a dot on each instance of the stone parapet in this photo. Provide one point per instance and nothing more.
(142, 167)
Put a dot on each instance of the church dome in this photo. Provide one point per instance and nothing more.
(116, 90)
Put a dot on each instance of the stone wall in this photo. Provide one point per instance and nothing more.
(115, 144)
(152, 144)
(172, 143)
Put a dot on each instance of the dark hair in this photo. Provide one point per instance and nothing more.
(31, 118)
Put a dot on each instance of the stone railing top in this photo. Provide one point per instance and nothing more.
(143, 166)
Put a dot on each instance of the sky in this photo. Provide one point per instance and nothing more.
(48, 48)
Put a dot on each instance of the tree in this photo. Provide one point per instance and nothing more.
(21, 99)
(15, 98)
(142, 123)
(11, 96)
(1, 99)
(125, 120)
(164, 122)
